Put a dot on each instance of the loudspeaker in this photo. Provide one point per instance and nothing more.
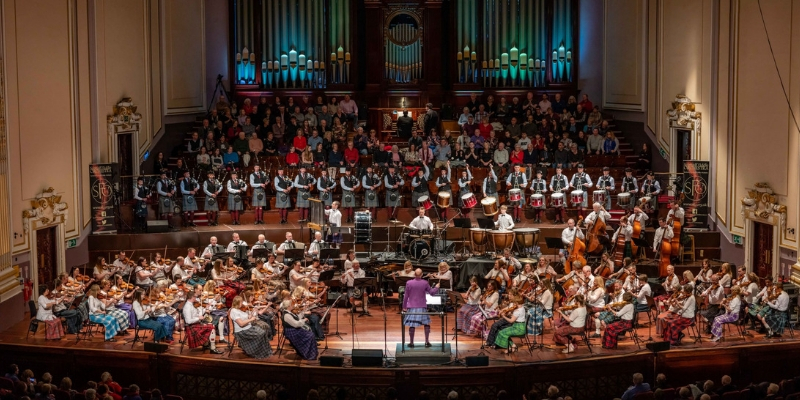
(447, 112)
(155, 347)
(157, 226)
(367, 358)
(477, 361)
(656, 347)
(331, 361)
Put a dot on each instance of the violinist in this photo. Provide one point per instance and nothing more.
(725, 277)
(144, 274)
(78, 280)
(225, 277)
(715, 294)
(632, 281)
(213, 303)
(408, 272)
(541, 308)
(688, 278)
(574, 324)
(684, 316)
(99, 315)
(123, 264)
(114, 303)
(544, 268)
(310, 302)
(749, 296)
(615, 297)
(66, 292)
(251, 336)
(525, 276)
(146, 319)
(102, 270)
(198, 332)
(703, 278)
(642, 292)
(622, 242)
(194, 264)
(741, 279)
(443, 273)
(182, 269)
(297, 330)
(489, 302)
(180, 289)
(668, 308)
(777, 319)
(513, 317)
(499, 274)
(582, 276)
(125, 288)
(471, 301)
(46, 302)
(671, 284)
(626, 314)
(596, 302)
(568, 236)
(160, 269)
(298, 273)
(729, 313)
(278, 269)
(261, 298)
(260, 272)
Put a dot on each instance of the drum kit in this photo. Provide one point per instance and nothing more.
(417, 244)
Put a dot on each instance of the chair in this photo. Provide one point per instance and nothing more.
(649, 395)
(33, 325)
(281, 333)
(61, 394)
(698, 335)
(6, 383)
(634, 334)
(137, 338)
(690, 251)
(486, 327)
(524, 337)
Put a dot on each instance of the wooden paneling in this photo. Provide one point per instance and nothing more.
(184, 58)
(623, 60)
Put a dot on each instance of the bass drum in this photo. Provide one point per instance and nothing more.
(363, 227)
(419, 249)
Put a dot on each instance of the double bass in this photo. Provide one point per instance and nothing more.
(593, 245)
(663, 253)
(676, 230)
(577, 251)
(637, 233)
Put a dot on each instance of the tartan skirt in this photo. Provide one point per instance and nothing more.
(371, 202)
(476, 322)
(189, 203)
(74, 322)
(255, 202)
(465, 313)
(159, 331)
(232, 289)
(396, 201)
(301, 202)
(613, 330)
(504, 336)
(416, 320)
(302, 340)
(53, 329)
(233, 205)
(164, 205)
(211, 207)
(348, 199)
(198, 334)
(673, 328)
(123, 320)
(282, 200)
(607, 317)
(777, 321)
(254, 342)
(721, 320)
(536, 316)
(108, 321)
(129, 310)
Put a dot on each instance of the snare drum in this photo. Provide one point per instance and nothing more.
(514, 195)
(468, 200)
(425, 201)
(502, 240)
(537, 200)
(557, 199)
(489, 205)
(599, 196)
(624, 199)
(576, 197)
(444, 199)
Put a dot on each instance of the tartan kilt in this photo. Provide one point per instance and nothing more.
(476, 322)
(721, 320)
(465, 313)
(220, 315)
(122, 318)
(777, 321)
(673, 328)
(255, 202)
(282, 200)
(396, 202)
(416, 320)
(54, 330)
(536, 316)
(232, 204)
(415, 197)
(329, 200)
(109, 323)
(232, 289)
(254, 342)
(503, 337)
(371, 202)
(607, 317)
(351, 203)
(497, 326)
(198, 334)
(164, 205)
(302, 203)
(189, 203)
(211, 207)
(302, 340)
(613, 330)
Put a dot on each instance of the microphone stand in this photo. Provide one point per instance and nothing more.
(337, 323)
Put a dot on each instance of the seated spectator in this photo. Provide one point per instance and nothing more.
(472, 155)
(727, 386)
(478, 141)
(508, 140)
(299, 142)
(373, 142)
(580, 116)
(351, 155)
(595, 118)
(247, 127)
(611, 144)
(415, 139)
(360, 141)
(485, 128)
(487, 157)
(310, 117)
(194, 145)
(210, 143)
(481, 113)
(395, 157)
(292, 158)
(133, 392)
(530, 126)
(572, 126)
(470, 127)
(586, 103)
(645, 158)
(575, 156)
(517, 157)
(565, 140)
(234, 130)
(639, 386)
(464, 117)
(256, 145)
(500, 156)
(320, 156)
(203, 159)
(241, 146)
(580, 140)
(561, 157)
(278, 129)
(514, 127)
(594, 143)
(411, 156)
(307, 158)
(459, 156)
(335, 157)
(231, 158)
(425, 153)
(350, 109)
(442, 153)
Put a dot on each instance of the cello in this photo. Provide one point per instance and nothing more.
(593, 245)
(663, 253)
(576, 252)
(637, 232)
(676, 230)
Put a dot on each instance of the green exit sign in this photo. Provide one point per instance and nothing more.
(738, 240)
(662, 152)
(72, 243)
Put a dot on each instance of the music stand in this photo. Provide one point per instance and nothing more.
(223, 256)
(456, 299)
(293, 255)
(486, 223)
(363, 283)
(463, 223)
(261, 253)
(328, 254)
(642, 243)
(554, 243)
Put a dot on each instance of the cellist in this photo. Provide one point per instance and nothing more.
(596, 223)
(622, 242)
(663, 233)
(568, 236)
(676, 215)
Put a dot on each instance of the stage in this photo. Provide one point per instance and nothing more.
(195, 374)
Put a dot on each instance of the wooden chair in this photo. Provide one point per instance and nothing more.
(33, 325)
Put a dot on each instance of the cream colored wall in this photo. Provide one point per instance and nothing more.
(184, 58)
(624, 56)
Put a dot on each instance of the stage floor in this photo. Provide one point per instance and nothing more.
(369, 334)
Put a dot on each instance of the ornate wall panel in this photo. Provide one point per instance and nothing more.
(184, 48)
(623, 60)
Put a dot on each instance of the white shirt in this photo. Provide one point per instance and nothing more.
(191, 314)
(568, 235)
(177, 270)
(295, 278)
(596, 298)
(445, 276)
(145, 281)
(232, 245)
(491, 301)
(44, 314)
(781, 303)
(210, 250)
(734, 305)
(314, 247)
(627, 232)
(586, 181)
(334, 217)
(626, 312)
(592, 217)
(141, 313)
(351, 275)
(680, 215)
(421, 222)
(688, 309)
(725, 281)
(504, 222)
(644, 293)
(672, 283)
(751, 292)
(290, 245)
(641, 217)
(474, 297)
(578, 317)
(546, 298)
(519, 314)
(239, 314)
(96, 306)
(715, 296)
(662, 233)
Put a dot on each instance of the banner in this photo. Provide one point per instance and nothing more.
(101, 181)
(696, 188)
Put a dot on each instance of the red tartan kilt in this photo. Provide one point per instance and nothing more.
(674, 327)
(198, 334)
(232, 289)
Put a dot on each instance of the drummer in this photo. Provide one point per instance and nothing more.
(464, 190)
(630, 187)
(504, 221)
(559, 185)
(606, 184)
(538, 186)
(421, 222)
(517, 180)
(490, 186)
(420, 185)
(651, 188)
(443, 185)
(581, 182)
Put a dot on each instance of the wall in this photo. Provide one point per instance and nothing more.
(183, 41)
(217, 44)
(590, 43)
(624, 22)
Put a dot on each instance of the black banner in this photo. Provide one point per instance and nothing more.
(101, 181)
(696, 188)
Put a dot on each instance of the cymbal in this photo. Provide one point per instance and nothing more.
(527, 260)
(390, 267)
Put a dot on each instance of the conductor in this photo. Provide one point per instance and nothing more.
(414, 302)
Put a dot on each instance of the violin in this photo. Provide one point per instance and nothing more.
(125, 286)
(83, 278)
(506, 312)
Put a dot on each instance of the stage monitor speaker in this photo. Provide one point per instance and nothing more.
(157, 226)
(447, 112)
(367, 358)
(477, 361)
(155, 347)
(331, 361)
(656, 347)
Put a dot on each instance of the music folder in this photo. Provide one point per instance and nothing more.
(328, 255)
(554, 243)
(464, 223)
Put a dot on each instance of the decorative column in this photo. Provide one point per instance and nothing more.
(124, 121)
(46, 211)
(761, 205)
(9, 277)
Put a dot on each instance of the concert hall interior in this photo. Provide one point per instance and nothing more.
(381, 198)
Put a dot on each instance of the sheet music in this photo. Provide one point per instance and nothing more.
(433, 300)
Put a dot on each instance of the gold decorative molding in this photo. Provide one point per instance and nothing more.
(46, 209)
(125, 117)
(683, 114)
(762, 204)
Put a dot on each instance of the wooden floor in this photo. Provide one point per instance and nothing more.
(369, 334)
